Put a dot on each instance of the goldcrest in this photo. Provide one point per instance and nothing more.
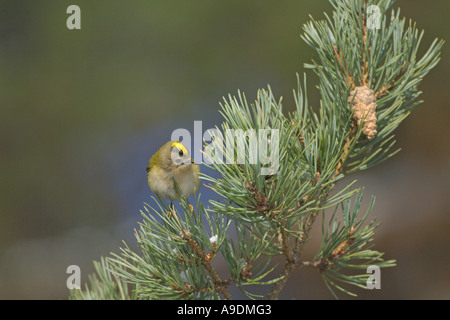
(169, 165)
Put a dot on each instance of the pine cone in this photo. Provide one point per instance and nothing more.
(364, 109)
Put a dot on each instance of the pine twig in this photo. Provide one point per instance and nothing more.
(291, 253)
(205, 259)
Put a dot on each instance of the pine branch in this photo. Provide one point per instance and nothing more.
(220, 286)
(368, 81)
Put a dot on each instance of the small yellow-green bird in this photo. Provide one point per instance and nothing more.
(172, 163)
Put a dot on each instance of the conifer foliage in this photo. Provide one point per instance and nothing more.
(369, 72)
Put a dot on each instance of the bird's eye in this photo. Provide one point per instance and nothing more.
(180, 153)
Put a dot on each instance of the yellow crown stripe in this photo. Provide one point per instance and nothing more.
(179, 146)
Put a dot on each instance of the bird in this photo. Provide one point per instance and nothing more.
(171, 165)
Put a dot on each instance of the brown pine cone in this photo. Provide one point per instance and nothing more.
(364, 109)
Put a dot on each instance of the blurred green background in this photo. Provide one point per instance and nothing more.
(81, 112)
